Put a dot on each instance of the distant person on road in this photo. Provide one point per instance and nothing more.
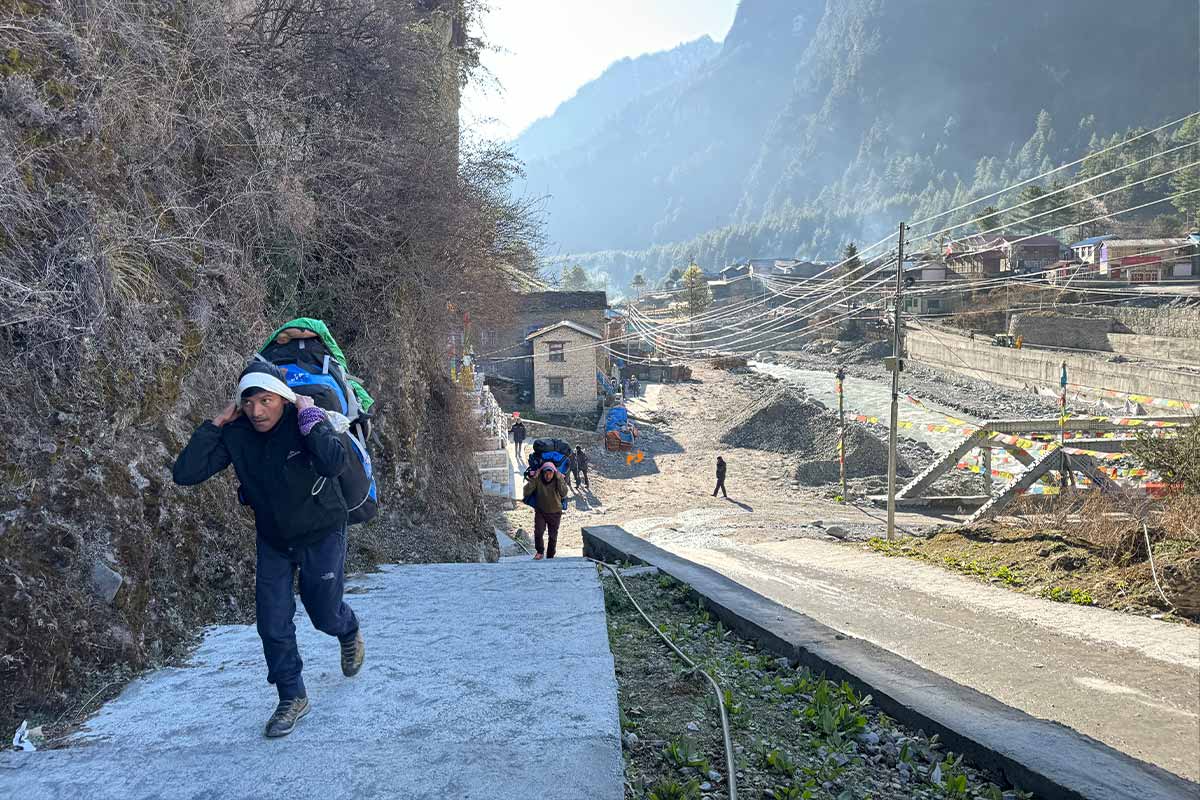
(579, 466)
(548, 488)
(634, 386)
(517, 431)
(720, 479)
(287, 458)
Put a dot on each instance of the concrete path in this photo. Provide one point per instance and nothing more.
(1131, 682)
(481, 681)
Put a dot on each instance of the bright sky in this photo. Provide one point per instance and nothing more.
(544, 50)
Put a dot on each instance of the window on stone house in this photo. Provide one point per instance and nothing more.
(557, 387)
(556, 351)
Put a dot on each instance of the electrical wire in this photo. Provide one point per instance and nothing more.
(1050, 172)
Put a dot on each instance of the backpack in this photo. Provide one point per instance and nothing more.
(551, 446)
(561, 461)
(315, 366)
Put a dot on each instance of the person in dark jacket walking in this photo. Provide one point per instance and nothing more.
(287, 458)
(517, 431)
(549, 490)
(579, 466)
(720, 479)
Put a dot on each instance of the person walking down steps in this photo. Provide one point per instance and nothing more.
(720, 479)
(287, 458)
(548, 489)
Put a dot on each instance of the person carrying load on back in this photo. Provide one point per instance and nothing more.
(517, 431)
(547, 489)
(579, 466)
(287, 457)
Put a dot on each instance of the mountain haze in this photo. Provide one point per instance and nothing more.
(821, 122)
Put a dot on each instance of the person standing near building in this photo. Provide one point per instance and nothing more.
(547, 490)
(720, 479)
(579, 466)
(517, 431)
(287, 457)
(634, 386)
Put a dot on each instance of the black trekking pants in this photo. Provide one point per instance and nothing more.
(720, 487)
(322, 579)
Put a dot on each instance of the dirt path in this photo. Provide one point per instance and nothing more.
(1128, 681)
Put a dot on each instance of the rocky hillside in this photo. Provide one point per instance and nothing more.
(175, 180)
(821, 122)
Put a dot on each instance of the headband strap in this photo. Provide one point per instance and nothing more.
(261, 380)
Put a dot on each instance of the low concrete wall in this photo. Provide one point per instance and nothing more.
(573, 436)
(1186, 351)
(1042, 368)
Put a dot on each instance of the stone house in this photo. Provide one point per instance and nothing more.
(564, 368)
(503, 348)
(1023, 254)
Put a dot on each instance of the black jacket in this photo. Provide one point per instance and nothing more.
(518, 432)
(288, 479)
(579, 460)
(720, 470)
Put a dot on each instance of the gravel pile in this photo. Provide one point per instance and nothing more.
(977, 398)
(785, 421)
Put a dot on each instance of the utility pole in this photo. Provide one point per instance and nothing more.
(841, 376)
(895, 418)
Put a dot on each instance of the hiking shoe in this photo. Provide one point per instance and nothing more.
(286, 715)
(352, 655)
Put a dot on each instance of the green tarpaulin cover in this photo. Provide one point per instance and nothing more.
(321, 329)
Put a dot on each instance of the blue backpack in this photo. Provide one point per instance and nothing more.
(312, 370)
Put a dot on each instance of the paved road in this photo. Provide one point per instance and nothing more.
(1131, 682)
(482, 681)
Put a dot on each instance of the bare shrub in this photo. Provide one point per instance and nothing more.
(176, 179)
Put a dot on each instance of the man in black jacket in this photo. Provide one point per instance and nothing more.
(721, 479)
(287, 457)
(518, 435)
(579, 467)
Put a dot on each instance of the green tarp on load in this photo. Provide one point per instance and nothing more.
(321, 329)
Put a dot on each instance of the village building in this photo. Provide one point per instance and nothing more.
(1147, 260)
(976, 257)
(1087, 250)
(1021, 254)
(732, 290)
(504, 352)
(565, 370)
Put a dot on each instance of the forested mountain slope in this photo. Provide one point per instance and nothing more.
(821, 122)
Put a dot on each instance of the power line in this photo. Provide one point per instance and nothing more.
(1047, 173)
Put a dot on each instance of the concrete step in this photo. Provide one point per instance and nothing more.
(481, 680)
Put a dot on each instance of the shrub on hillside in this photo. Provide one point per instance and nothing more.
(1176, 458)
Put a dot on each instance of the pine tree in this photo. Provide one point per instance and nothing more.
(1035, 200)
(1188, 180)
(695, 290)
(638, 283)
(989, 219)
(575, 279)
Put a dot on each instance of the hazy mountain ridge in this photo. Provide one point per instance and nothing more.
(821, 122)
